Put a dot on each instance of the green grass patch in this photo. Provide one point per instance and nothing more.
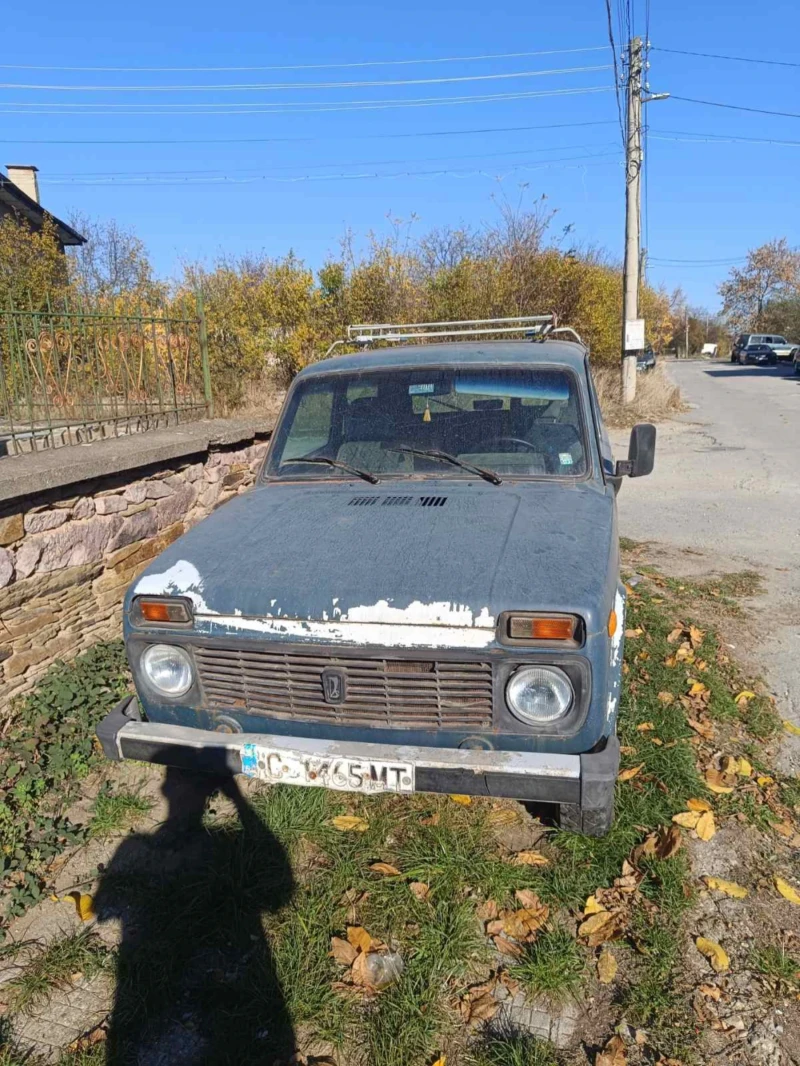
(117, 810)
(779, 965)
(54, 966)
(512, 1049)
(553, 965)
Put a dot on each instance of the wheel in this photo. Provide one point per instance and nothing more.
(590, 821)
(742, 359)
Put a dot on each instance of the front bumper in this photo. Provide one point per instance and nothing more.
(585, 780)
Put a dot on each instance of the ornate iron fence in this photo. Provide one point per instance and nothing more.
(70, 374)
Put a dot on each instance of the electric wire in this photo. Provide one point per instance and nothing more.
(734, 59)
(616, 70)
(735, 107)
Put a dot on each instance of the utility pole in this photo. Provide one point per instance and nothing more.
(632, 327)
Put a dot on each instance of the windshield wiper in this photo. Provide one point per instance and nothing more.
(446, 457)
(323, 460)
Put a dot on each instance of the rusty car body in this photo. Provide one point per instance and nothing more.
(420, 592)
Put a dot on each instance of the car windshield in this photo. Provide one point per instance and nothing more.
(512, 422)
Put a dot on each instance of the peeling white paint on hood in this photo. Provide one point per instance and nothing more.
(417, 613)
(182, 579)
(616, 640)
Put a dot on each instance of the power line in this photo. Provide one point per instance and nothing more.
(284, 86)
(734, 59)
(689, 137)
(735, 107)
(700, 262)
(577, 161)
(616, 69)
(308, 66)
(308, 140)
(294, 108)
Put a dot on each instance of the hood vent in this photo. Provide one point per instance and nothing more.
(397, 501)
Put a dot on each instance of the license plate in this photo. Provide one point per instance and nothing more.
(335, 772)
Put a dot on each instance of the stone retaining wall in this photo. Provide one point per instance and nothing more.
(68, 555)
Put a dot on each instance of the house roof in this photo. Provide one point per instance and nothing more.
(19, 201)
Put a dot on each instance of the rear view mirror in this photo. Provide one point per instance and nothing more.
(641, 452)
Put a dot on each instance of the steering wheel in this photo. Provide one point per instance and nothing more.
(513, 440)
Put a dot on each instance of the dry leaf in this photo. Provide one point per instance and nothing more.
(666, 698)
(613, 1054)
(688, 819)
(349, 823)
(528, 899)
(744, 769)
(84, 904)
(431, 819)
(592, 907)
(606, 967)
(711, 991)
(706, 826)
(717, 782)
(385, 868)
(676, 634)
(626, 749)
(669, 841)
(502, 816)
(463, 800)
(359, 938)
(627, 775)
(696, 636)
(441, 1061)
(787, 891)
(698, 689)
(744, 696)
(530, 858)
(481, 1009)
(705, 729)
(715, 954)
(343, 951)
(784, 829)
(729, 888)
(765, 781)
(595, 921)
(487, 911)
(790, 727)
(420, 890)
(631, 634)
(507, 947)
(645, 727)
(698, 805)
(657, 741)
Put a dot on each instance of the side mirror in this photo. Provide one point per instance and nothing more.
(641, 452)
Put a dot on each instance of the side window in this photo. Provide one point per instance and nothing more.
(606, 456)
(311, 427)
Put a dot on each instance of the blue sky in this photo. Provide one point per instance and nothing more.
(706, 200)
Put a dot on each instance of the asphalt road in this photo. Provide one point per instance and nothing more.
(727, 485)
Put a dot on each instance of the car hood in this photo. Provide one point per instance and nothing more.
(323, 562)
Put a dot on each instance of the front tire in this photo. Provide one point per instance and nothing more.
(589, 821)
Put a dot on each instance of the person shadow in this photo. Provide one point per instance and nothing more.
(196, 980)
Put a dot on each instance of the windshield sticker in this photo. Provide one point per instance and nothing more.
(565, 458)
(529, 386)
(420, 390)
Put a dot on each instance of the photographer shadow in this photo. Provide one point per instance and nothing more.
(196, 980)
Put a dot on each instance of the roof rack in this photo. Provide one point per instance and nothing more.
(536, 327)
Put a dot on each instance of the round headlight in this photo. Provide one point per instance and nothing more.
(539, 694)
(168, 669)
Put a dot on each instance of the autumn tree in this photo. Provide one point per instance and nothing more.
(112, 264)
(771, 271)
(32, 265)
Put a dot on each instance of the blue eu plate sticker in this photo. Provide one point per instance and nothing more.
(419, 390)
(565, 458)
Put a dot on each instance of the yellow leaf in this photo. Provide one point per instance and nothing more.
(666, 698)
(592, 907)
(594, 922)
(688, 819)
(729, 888)
(627, 775)
(698, 805)
(349, 823)
(790, 727)
(744, 696)
(530, 858)
(359, 937)
(385, 868)
(606, 967)
(788, 891)
(342, 951)
(696, 636)
(420, 890)
(463, 800)
(715, 954)
(706, 826)
(765, 780)
(744, 768)
(698, 688)
(716, 782)
(502, 816)
(645, 727)
(441, 1061)
(84, 904)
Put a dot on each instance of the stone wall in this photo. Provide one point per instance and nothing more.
(67, 555)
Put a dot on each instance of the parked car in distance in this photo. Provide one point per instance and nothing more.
(421, 592)
(784, 350)
(646, 360)
(758, 355)
(796, 361)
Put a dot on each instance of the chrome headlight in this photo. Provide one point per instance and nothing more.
(168, 669)
(539, 694)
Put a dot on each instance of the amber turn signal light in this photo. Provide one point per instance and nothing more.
(541, 628)
(163, 611)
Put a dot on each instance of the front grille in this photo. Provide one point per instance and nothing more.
(379, 692)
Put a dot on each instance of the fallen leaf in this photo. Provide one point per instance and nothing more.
(706, 826)
(698, 689)
(594, 922)
(420, 890)
(606, 967)
(463, 800)
(626, 749)
(431, 819)
(592, 907)
(657, 741)
(359, 938)
(441, 1061)
(666, 698)
(349, 823)
(613, 1054)
(502, 816)
(715, 954)
(705, 729)
(729, 888)
(711, 991)
(717, 782)
(528, 899)
(765, 781)
(385, 868)
(676, 634)
(530, 858)
(790, 727)
(784, 829)
(343, 951)
(84, 904)
(507, 947)
(627, 775)
(631, 634)
(669, 840)
(696, 636)
(698, 805)
(688, 819)
(744, 696)
(487, 911)
(645, 727)
(481, 1009)
(787, 891)
(744, 768)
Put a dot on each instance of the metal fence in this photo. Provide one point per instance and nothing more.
(70, 374)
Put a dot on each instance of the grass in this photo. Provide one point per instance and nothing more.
(776, 963)
(54, 966)
(512, 1049)
(553, 965)
(656, 397)
(117, 810)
